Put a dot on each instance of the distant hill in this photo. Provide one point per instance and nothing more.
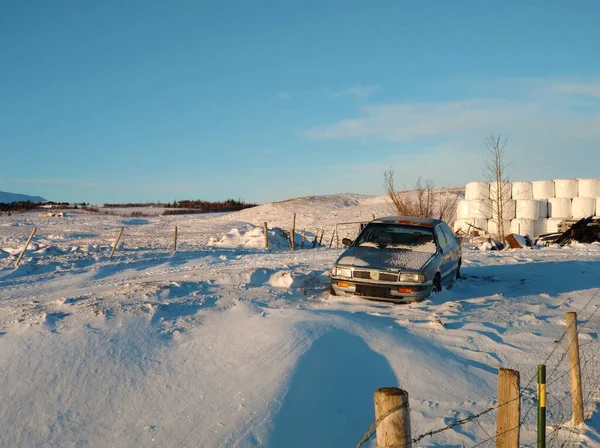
(7, 198)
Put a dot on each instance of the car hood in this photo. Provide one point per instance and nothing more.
(375, 258)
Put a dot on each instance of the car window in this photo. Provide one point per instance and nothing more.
(450, 238)
(442, 240)
(396, 236)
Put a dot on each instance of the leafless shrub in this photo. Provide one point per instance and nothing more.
(90, 209)
(446, 205)
(426, 202)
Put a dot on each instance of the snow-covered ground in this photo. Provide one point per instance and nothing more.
(226, 344)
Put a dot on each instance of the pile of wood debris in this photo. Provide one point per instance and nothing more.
(586, 230)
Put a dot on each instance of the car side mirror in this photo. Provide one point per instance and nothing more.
(346, 241)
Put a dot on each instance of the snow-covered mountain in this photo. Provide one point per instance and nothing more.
(7, 198)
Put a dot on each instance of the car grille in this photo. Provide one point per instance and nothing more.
(383, 276)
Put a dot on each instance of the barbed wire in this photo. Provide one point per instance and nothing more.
(369, 433)
(562, 414)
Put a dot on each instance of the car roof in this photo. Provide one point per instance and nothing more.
(408, 220)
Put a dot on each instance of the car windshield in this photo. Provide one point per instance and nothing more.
(396, 236)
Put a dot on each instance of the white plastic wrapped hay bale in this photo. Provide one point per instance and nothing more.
(477, 190)
(589, 188)
(509, 210)
(522, 190)
(492, 227)
(565, 188)
(481, 208)
(559, 208)
(552, 225)
(543, 208)
(501, 190)
(539, 226)
(531, 209)
(542, 189)
(523, 227)
(583, 207)
(462, 209)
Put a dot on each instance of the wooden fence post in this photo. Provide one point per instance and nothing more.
(293, 233)
(509, 409)
(175, 240)
(575, 369)
(316, 238)
(373, 217)
(116, 243)
(266, 232)
(322, 234)
(26, 246)
(394, 430)
(332, 237)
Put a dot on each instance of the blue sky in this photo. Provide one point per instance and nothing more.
(266, 100)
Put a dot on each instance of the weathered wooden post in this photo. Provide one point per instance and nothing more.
(575, 369)
(509, 409)
(293, 233)
(392, 413)
(373, 216)
(332, 237)
(322, 234)
(116, 243)
(266, 232)
(316, 238)
(175, 240)
(26, 246)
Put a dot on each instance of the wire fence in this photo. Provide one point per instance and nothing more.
(161, 238)
(560, 431)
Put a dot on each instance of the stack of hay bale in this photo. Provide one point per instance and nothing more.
(529, 208)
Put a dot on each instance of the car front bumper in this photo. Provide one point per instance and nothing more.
(382, 291)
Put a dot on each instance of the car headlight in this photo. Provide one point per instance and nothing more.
(412, 278)
(342, 272)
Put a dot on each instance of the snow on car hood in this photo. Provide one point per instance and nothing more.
(367, 257)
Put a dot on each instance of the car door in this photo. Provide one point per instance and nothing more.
(446, 256)
(453, 248)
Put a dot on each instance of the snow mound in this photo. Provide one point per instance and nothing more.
(252, 237)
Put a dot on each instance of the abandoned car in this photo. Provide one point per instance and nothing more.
(398, 259)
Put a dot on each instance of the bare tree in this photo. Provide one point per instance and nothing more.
(426, 202)
(496, 173)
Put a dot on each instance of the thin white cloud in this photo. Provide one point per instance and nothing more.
(444, 140)
(86, 184)
(43, 181)
(357, 92)
(284, 96)
(410, 121)
(582, 88)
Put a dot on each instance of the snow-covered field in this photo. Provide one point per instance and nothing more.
(226, 344)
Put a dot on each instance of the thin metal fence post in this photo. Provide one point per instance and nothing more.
(541, 392)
